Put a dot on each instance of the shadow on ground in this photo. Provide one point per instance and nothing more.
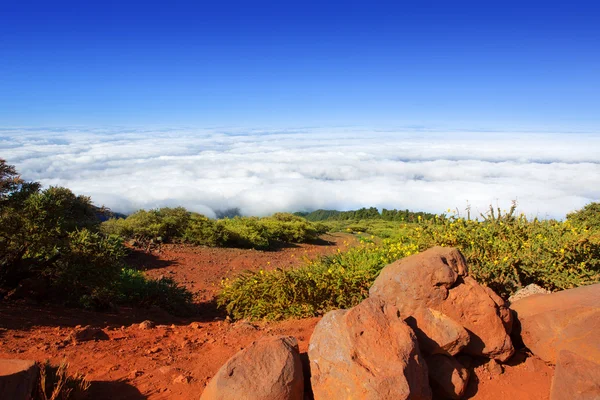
(22, 315)
(114, 390)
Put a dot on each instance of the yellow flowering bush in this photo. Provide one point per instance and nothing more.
(504, 251)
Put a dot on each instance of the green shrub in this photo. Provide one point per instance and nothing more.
(134, 288)
(587, 218)
(179, 225)
(289, 228)
(205, 232)
(52, 238)
(245, 232)
(162, 225)
(504, 251)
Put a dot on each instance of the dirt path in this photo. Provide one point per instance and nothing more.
(176, 358)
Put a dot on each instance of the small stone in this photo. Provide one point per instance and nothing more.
(494, 368)
(154, 350)
(166, 369)
(135, 373)
(87, 333)
(181, 379)
(146, 325)
(195, 325)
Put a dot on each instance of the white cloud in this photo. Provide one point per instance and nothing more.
(266, 171)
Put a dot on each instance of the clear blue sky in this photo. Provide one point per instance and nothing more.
(480, 64)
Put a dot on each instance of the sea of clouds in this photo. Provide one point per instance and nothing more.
(264, 171)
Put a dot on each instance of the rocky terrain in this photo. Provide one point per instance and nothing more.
(440, 336)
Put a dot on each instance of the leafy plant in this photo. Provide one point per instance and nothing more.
(134, 288)
(504, 251)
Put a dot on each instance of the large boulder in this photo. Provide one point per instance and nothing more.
(367, 352)
(270, 369)
(575, 378)
(421, 280)
(17, 379)
(438, 279)
(470, 305)
(565, 320)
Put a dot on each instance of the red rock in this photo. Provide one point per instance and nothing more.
(448, 377)
(470, 305)
(367, 352)
(421, 280)
(17, 379)
(269, 369)
(565, 320)
(575, 378)
(437, 279)
(436, 332)
(87, 333)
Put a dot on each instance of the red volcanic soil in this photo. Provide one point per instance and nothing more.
(176, 358)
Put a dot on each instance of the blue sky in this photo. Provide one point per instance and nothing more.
(444, 64)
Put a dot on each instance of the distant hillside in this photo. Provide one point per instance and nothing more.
(365, 213)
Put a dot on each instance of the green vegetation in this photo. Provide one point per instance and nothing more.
(366, 214)
(169, 225)
(588, 217)
(51, 239)
(504, 251)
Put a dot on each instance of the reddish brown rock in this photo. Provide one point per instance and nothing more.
(437, 279)
(421, 280)
(87, 333)
(575, 378)
(17, 379)
(565, 320)
(367, 352)
(270, 369)
(470, 305)
(436, 332)
(503, 310)
(448, 377)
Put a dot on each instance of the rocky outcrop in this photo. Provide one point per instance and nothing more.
(438, 279)
(367, 352)
(270, 369)
(17, 379)
(565, 320)
(575, 378)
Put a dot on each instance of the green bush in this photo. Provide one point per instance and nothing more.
(504, 251)
(134, 288)
(52, 238)
(205, 232)
(289, 228)
(178, 225)
(245, 232)
(587, 218)
(162, 225)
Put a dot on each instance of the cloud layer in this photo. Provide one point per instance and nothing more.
(262, 172)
